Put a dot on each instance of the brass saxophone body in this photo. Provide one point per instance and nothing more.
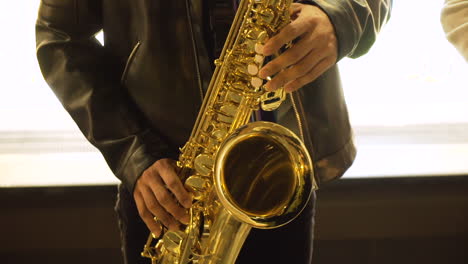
(242, 174)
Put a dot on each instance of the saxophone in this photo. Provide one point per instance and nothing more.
(241, 174)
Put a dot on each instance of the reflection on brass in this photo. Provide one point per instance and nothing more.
(219, 135)
(203, 164)
(198, 186)
(241, 174)
(234, 97)
(228, 110)
(250, 45)
(272, 100)
(173, 241)
(267, 15)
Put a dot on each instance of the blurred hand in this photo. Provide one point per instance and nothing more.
(315, 51)
(160, 193)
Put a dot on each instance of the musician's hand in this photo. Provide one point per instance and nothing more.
(160, 193)
(315, 51)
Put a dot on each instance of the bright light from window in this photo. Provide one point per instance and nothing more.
(412, 75)
(26, 102)
(407, 98)
(411, 80)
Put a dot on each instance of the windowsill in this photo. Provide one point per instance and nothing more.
(65, 158)
(43, 158)
(411, 150)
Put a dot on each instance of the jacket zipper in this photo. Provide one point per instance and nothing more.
(194, 47)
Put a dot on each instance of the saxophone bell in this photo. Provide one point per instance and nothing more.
(263, 175)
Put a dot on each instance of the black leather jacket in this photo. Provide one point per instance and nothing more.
(136, 98)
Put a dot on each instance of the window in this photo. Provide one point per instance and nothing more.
(407, 98)
(39, 143)
(407, 101)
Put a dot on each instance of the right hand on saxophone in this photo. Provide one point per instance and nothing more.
(161, 198)
(315, 51)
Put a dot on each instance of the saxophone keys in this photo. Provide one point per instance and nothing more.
(252, 69)
(250, 45)
(234, 97)
(203, 164)
(239, 86)
(173, 241)
(256, 82)
(259, 48)
(262, 37)
(219, 134)
(272, 100)
(259, 59)
(267, 15)
(227, 113)
(257, 35)
(198, 186)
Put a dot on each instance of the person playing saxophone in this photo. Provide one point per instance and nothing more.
(136, 97)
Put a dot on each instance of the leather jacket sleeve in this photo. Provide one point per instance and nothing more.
(356, 22)
(87, 82)
(454, 20)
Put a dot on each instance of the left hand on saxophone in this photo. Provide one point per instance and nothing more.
(315, 51)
